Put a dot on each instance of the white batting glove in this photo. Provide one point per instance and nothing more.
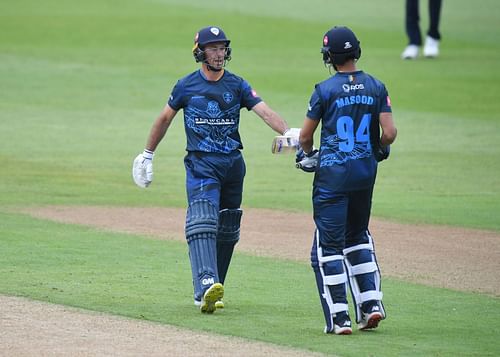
(307, 162)
(142, 170)
(293, 132)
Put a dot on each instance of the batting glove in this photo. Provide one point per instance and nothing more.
(382, 153)
(293, 132)
(307, 162)
(142, 170)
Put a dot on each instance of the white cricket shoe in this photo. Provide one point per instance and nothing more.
(343, 327)
(341, 324)
(410, 52)
(431, 47)
(371, 318)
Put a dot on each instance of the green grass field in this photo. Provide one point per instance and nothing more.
(147, 279)
(82, 82)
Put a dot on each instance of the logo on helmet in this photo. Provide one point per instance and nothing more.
(325, 40)
(196, 37)
(215, 31)
(347, 45)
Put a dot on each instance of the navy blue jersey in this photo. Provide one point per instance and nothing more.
(347, 104)
(212, 110)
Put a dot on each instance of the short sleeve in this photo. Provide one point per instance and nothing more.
(315, 109)
(249, 97)
(385, 102)
(176, 97)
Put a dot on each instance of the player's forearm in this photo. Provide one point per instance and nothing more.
(271, 118)
(389, 131)
(306, 143)
(160, 127)
(388, 138)
(306, 138)
(157, 133)
(388, 135)
(275, 121)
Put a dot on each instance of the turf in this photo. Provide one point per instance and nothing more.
(266, 299)
(81, 85)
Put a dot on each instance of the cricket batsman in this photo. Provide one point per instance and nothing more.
(211, 99)
(356, 130)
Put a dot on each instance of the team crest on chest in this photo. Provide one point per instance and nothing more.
(228, 97)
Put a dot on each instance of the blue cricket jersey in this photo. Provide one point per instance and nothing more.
(348, 104)
(212, 110)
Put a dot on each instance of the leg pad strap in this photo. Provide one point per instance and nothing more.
(364, 275)
(331, 280)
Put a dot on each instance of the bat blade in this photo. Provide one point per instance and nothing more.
(285, 145)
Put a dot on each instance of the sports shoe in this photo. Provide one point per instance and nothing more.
(371, 317)
(431, 47)
(211, 296)
(219, 304)
(341, 324)
(410, 52)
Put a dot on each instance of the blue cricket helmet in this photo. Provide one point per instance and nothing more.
(339, 45)
(206, 35)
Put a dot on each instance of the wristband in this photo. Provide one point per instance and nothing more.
(148, 154)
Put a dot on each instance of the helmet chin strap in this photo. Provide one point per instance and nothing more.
(329, 63)
(203, 58)
(213, 69)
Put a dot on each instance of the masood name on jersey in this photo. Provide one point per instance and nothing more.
(354, 99)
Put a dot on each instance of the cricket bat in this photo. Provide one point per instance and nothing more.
(285, 144)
